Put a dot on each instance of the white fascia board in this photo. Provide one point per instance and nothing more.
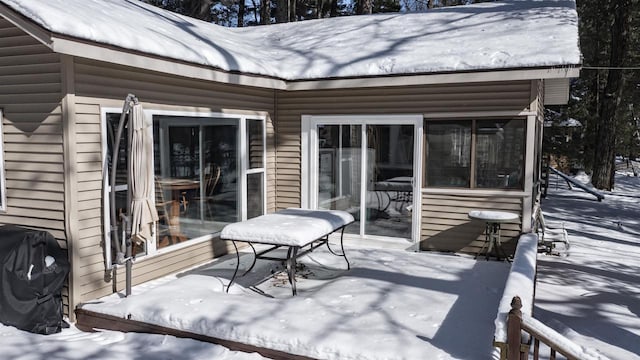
(168, 66)
(35, 31)
(429, 79)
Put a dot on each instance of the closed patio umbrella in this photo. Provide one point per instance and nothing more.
(143, 209)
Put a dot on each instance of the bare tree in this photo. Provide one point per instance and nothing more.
(604, 160)
(199, 9)
(241, 12)
(333, 12)
(364, 7)
(265, 12)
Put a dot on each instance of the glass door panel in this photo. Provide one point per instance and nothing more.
(220, 198)
(389, 180)
(366, 167)
(339, 170)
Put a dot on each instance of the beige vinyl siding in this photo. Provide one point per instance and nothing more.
(99, 85)
(446, 226)
(30, 96)
(458, 98)
(454, 100)
(93, 285)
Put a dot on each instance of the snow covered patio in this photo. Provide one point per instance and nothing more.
(391, 304)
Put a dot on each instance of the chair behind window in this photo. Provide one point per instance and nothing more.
(212, 177)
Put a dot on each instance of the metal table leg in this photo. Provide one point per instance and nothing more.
(291, 267)
(255, 257)
(343, 254)
(235, 272)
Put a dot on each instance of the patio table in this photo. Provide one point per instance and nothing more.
(295, 229)
(493, 220)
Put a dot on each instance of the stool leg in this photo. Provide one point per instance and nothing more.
(486, 241)
(489, 240)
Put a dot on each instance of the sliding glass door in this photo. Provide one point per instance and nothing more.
(366, 166)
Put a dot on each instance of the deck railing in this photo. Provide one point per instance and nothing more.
(519, 323)
(516, 330)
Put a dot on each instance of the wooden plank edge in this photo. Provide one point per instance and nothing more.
(89, 321)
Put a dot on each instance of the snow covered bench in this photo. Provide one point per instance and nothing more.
(295, 229)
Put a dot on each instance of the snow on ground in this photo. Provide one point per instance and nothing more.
(592, 296)
(393, 303)
(496, 35)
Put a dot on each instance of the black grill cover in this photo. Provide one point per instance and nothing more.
(31, 292)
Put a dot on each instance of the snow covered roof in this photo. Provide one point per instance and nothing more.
(511, 34)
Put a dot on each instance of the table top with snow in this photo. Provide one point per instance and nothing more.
(289, 227)
(493, 216)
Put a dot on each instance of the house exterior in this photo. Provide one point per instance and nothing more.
(408, 150)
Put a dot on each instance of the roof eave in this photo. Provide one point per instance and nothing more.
(27, 25)
(111, 54)
(510, 74)
(101, 52)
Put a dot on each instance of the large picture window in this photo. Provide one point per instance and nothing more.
(209, 171)
(486, 153)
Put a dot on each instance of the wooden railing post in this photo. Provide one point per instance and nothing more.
(514, 337)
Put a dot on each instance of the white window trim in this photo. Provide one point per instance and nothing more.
(150, 113)
(309, 164)
(3, 178)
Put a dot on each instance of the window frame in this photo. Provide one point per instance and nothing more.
(473, 152)
(241, 119)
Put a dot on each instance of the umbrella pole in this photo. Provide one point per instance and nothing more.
(130, 99)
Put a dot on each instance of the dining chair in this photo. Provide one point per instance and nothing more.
(168, 216)
(212, 176)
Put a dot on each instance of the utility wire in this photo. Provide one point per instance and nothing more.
(611, 67)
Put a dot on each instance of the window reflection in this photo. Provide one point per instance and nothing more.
(255, 142)
(255, 195)
(498, 153)
(196, 176)
(449, 154)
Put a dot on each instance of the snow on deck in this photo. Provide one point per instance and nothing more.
(392, 304)
(485, 36)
